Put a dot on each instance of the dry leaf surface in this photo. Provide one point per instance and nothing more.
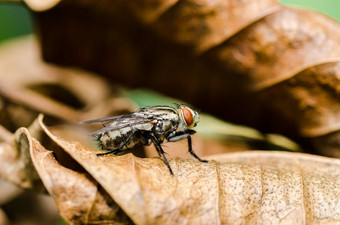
(252, 188)
(249, 187)
(16, 165)
(79, 198)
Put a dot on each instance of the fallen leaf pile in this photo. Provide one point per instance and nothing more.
(250, 187)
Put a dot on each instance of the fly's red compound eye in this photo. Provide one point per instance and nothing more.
(187, 116)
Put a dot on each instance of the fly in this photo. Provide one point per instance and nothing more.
(148, 125)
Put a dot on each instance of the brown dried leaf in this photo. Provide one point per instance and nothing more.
(306, 99)
(309, 101)
(278, 46)
(252, 188)
(41, 5)
(250, 49)
(205, 24)
(16, 165)
(17, 168)
(79, 198)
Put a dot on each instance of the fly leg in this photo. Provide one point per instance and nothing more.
(160, 151)
(182, 135)
(119, 149)
(192, 152)
(114, 151)
(148, 139)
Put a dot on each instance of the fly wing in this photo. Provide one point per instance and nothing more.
(120, 122)
(141, 117)
(110, 128)
(142, 113)
(105, 119)
(114, 126)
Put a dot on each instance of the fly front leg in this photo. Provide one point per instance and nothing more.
(183, 135)
(177, 136)
(192, 152)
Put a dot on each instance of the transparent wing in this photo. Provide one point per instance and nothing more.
(119, 122)
(111, 127)
(154, 112)
(105, 119)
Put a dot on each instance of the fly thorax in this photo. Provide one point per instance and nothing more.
(144, 126)
(159, 127)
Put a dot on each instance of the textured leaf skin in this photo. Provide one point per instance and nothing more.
(78, 197)
(249, 187)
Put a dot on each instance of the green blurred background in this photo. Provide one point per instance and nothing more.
(15, 19)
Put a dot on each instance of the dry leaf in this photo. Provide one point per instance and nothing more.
(226, 57)
(16, 165)
(252, 188)
(79, 198)
(41, 5)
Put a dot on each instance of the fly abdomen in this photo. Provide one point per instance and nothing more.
(119, 139)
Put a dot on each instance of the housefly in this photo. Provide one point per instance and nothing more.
(148, 125)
